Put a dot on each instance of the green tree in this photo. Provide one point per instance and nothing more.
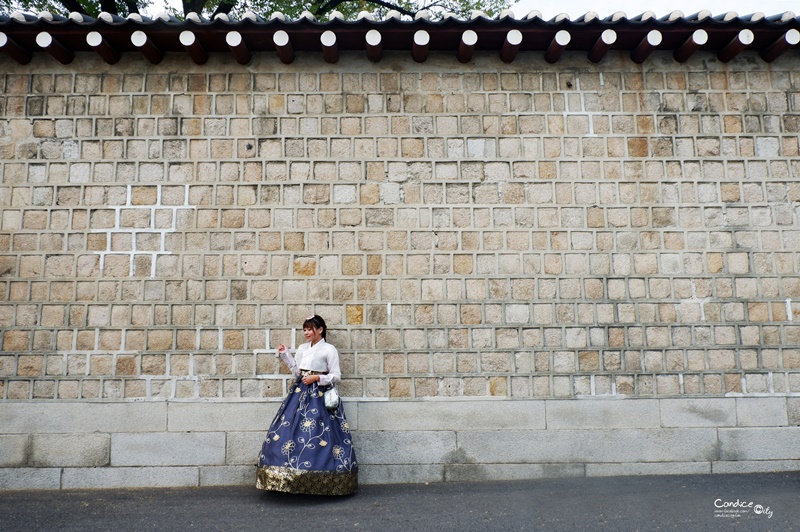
(291, 8)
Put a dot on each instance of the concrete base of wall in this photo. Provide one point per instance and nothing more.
(179, 444)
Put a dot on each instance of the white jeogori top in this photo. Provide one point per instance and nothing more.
(322, 357)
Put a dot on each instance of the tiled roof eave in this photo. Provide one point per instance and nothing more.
(724, 36)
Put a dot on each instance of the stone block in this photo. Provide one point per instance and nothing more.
(242, 448)
(70, 450)
(451, 415)
(484, 472)
(765, 443)
(129, 477)
(168, 449)
(49, 418)
(221, 416)
(350, 409)
(754, 466)
(587, 446)
(14, 450)
(761, 412)
(408, 447)
(649, 468)
(716, 412)
(400, 474)
(602, 414)
(30, 478)
(793, 408)
(228, 475)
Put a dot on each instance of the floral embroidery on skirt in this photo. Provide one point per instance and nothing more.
(308, 448)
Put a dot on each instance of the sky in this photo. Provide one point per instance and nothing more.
(576, 8)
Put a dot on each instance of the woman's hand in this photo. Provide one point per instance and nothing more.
(310, 379)
(281, 349)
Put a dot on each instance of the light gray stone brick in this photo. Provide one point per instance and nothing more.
(400, 474)
(586, 446)
(407, 447)
(451, 415)
(486, 472)
(221, 416)
(168, 449)
(518, 314)
(242, 448)
(793, 408)
(764, 443)
(34, 418)
(754, 466)
(602, 414)
(23, 478)
(129, 477)
(14, 450)
(709, 412)
(70, 450)
(351, 409)
(228, 475)
(668, 468)
(761, 412)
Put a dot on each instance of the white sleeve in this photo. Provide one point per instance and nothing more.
(334, 372)
(289, 360)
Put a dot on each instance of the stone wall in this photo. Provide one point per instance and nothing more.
(171, 443)
(502, 253)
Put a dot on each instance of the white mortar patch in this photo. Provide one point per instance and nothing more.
(268, 350)
(152, 229)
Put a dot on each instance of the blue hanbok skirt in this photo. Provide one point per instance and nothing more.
(308, 448)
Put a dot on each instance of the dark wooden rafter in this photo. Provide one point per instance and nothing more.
(783, 44)
(557, 46)
(283, 45)
(330, 47)
(420, 47)
(102, 47)
(697, 39)
(647, 46)
(374, 44)
(511, 46)
(741, 41)
(466, 48)
(61, 53)
(14, 50)
(149, 50)
(238, 48)
(192, 44)
(602, 46)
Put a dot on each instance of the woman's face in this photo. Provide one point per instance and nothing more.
(312, 334)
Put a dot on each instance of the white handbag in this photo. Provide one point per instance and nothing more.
(331, 398)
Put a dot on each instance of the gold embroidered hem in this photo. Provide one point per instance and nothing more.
(286, 479)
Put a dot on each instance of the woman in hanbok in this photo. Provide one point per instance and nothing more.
(308, 448)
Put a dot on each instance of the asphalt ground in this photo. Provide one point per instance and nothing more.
(687, 503)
